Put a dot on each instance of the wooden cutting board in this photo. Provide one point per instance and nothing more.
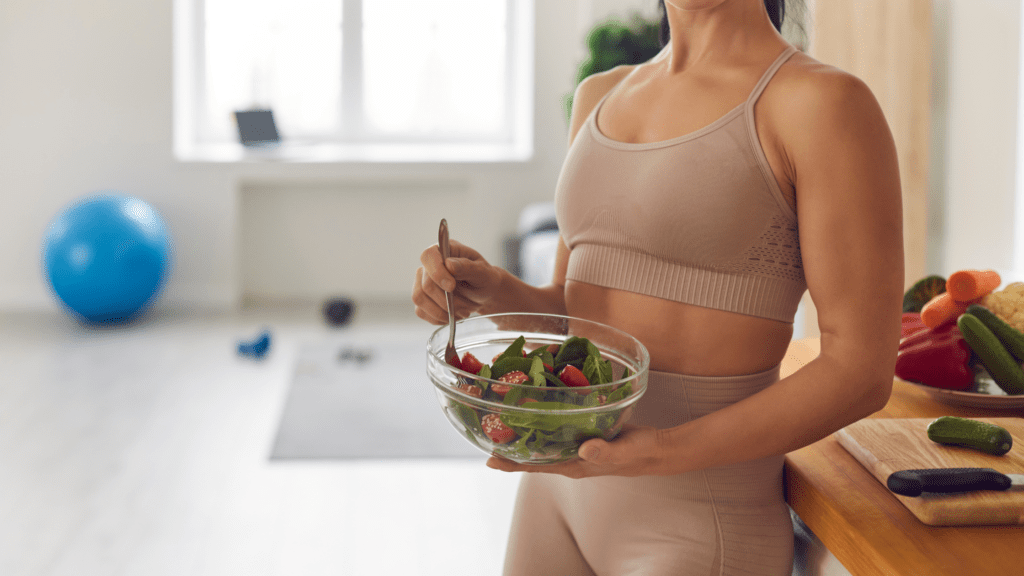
(885, 445)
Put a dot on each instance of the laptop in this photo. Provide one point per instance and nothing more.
(256, 128)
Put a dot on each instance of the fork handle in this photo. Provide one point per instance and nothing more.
(451, 317)
(446, 251)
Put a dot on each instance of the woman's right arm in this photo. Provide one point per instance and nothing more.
(480, 286)
(487, 289)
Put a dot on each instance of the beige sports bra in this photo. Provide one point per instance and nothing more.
(697, 219)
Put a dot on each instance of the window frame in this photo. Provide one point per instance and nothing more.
(353, 141)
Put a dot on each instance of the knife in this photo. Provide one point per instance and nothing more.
(914, 482)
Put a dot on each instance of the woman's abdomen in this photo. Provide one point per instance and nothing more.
(683, 338)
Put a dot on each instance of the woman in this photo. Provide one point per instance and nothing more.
(678, 207)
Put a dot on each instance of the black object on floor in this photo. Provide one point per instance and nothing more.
(338, 311)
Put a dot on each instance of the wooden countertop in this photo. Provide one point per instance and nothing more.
(867, 529)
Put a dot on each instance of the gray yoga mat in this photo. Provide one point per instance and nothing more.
(366, 396)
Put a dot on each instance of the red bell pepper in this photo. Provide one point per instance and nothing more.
(936, 357)
(911, 323)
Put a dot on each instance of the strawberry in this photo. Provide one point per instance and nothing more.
(471, 364)
(572, 376)
(496, 430)
(514, 377)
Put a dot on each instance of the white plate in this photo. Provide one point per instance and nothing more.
(988, 396)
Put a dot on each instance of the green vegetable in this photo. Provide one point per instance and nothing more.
(536, 366)
(514, 350)
(1011, 338)
(544, 354)
(1005, 371)
(620, 393)
(596, 370)
(505, 364)
(513, 396)
(573, 351)
(968, 433)
(468, 417)
(553, 430)
(553, 380)
(922, 291)
(563, 415)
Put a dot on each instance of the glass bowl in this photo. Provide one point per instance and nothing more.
(549, 421)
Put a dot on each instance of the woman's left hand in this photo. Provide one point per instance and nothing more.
(636, 451)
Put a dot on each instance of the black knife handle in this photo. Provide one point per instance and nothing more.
(914, 482)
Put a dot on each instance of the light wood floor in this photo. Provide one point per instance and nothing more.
(142, 450)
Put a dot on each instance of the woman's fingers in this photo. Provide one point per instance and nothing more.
(467, 275)
(431, 302)
(435, 269)
(436, 279)
(465, 266)
(463, 306)
(460, 250)
(424, 297)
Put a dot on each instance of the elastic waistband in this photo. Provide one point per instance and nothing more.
(769, 375)
(672, 399)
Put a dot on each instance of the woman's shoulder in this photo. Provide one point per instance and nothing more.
(810, 108)
(807, 88)
(592, 90)
(596, 86)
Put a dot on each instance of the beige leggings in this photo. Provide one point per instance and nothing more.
(727, 521)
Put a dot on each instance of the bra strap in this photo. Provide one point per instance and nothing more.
(769, 73)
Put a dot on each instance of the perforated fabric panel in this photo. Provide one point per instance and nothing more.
(777, 254)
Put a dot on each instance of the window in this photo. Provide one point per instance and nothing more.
(360, 79)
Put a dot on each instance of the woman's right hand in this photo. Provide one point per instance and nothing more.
(472, 278)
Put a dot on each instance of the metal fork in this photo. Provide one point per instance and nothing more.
(451, 356)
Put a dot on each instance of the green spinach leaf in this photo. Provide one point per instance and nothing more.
(514, 350)
(508, 364)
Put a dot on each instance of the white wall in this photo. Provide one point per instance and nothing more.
(974, 160)
(86, 105)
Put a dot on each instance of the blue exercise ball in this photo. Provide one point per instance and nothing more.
(107, 256)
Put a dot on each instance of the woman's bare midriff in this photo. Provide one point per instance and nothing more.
(683, 338)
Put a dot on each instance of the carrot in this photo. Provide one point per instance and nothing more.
(967, 285)
(941, 309)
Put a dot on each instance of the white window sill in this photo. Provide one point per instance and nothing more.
(298, 153)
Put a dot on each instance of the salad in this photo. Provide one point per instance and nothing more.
(546, 420)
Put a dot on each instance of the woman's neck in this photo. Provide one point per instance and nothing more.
(701, 35)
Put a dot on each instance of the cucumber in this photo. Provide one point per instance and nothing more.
(968, 433)
(1011, 338)
(1000, 364)
(922, 291)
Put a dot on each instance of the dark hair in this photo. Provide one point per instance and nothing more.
(776, 12)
